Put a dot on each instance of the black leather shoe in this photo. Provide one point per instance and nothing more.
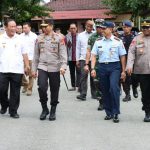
(44, 113)
(147, 117)
(52, 116)
(3, 110)
(127, 98)
(135, 93)
(81, 97)
(115, 119)
(108, 117)
(16, 116)
(100, 107)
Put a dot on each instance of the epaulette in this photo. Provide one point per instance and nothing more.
(98, 39)
(139, 33)
(116, 38)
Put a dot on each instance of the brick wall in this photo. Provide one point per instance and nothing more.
(61, 5)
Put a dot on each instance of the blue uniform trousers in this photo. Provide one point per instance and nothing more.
(110, 76)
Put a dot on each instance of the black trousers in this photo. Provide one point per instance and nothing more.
(54, 82)
(74, 74)
(14, 81)
(145, 89)
(84, 80)
(130, 80)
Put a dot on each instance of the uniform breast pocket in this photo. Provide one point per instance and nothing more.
(140, 49)
(100, 51)
(42, 47)
(54, 48)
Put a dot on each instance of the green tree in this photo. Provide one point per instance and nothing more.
(23, 10)
(137, 7)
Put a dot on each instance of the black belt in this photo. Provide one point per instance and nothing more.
(108, 62)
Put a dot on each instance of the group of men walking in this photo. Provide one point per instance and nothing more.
(104, 55)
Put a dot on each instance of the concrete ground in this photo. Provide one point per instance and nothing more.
(79, 126)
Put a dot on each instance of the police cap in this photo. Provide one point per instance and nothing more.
(127, 23)
(145, 23)
(47, 22)
(108, 24)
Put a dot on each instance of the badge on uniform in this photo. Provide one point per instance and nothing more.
(140, 47)
(4, 45)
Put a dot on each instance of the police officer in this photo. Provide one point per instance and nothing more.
(127, 38)
(139, 57)
(50, 59)
(91, 41)
(111, 51)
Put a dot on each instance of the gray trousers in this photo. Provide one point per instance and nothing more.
(84, 79)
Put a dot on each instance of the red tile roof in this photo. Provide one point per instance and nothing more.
(65, 5)
(81, 14)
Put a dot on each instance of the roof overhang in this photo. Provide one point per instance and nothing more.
(82, 14)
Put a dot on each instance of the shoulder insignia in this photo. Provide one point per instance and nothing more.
(116, 38)
(98, 39)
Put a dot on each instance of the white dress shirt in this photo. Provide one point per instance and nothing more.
(29, 39)
(81, 48)
(11, 50)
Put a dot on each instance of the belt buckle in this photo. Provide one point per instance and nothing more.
(106, 62)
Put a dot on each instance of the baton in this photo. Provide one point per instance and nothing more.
(65, 82)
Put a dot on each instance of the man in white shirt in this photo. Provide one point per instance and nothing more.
(13, 63)
(29, 39)
(81, 48)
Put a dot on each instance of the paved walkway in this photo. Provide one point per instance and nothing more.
(79, 126)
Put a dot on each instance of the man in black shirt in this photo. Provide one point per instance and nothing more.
(127, 38)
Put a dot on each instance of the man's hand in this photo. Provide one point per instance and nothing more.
(93, 73)
(62, 71)
(86, 68)
(129, 71)
(123, 76)
(26, 70)
(34, 74)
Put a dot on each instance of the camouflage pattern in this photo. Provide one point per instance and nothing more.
(91, 41)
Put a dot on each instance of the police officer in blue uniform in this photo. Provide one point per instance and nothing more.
(112, 61)
(127, 38)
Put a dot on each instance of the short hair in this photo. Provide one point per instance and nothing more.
(57, 29)
(73, 24)
(27, 23)
(19, 25)
(7, 21)
(89, 21)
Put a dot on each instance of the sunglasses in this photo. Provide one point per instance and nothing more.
(145, 27)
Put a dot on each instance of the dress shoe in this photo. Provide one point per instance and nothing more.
(81, 97)
(52, 116)
(14, 115)
(147, 117)
(108, 117)
(44, 113)
(127, 98)
(135, 93)
(72, 89)
(29, 92)
(24, 90)
(3, 110)
(115, 119)
(100, 107)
